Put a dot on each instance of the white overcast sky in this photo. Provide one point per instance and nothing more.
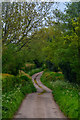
(37, 0)
(61, 6)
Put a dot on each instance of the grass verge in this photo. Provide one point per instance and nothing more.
(65, 93)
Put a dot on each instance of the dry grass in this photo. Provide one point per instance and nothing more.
(3, 75)
(22, 72)
(29, 64)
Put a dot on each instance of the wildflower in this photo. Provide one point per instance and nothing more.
(67, 90)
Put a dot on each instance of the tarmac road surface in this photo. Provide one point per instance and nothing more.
(40, 104)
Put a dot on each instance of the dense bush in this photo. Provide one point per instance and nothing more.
(38, 63)
(51, 66)
(33, 71)
(52, 76)
(15, 89)
(11, 61)
(65, 94)
(28, 66)
(11, 102)
(9, 83)
(68, 72)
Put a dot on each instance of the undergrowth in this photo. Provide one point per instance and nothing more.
(14, 90)
(33, 71)
(65, 93)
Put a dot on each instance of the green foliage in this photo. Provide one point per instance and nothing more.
(58, 46)
(68, 72)
(64, 51)
(11, 61)
(52, 76)
(28, 67)
(14, 92)
(51, 66)
(72, 12)
(71, 54)
(65, 94)
(38, 63)
(9, 83)
(11, 102)
(19, 20)
(33, 71)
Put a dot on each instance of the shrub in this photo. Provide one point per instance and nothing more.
(38, 63)
(28, 67)
(52, 76)
(65, 94)
(11, 102)
(9, 83)
(14, 92)
(33, 71)
(68, 72)
(51, 66)
(11, 61)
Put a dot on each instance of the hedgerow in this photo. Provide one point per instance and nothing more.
(14, 91)
(65, 94)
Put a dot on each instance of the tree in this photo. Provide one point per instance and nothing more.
(21, 20)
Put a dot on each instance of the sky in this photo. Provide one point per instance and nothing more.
(61, 6)
(39, 0)
(36, 0)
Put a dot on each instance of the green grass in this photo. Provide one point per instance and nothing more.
(65, 93)
(12, 97)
